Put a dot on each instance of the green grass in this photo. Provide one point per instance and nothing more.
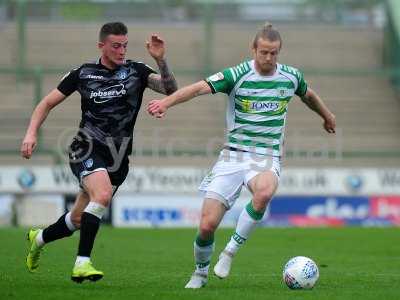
(355, 263)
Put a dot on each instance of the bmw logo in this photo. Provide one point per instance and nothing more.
(26, 179)
(354, 182)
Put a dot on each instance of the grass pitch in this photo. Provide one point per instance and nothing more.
(354, 263)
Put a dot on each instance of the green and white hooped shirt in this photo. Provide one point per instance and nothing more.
(257, 105)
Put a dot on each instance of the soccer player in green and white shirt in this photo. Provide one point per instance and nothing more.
(259, 91)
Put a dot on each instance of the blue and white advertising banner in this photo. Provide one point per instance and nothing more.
(168, 197)
(317, 210)
(184, 211)
(321, 206)
(165, 211)
(294, 181)
(156, 211)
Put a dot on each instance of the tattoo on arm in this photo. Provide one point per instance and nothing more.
(154, 82)
(167, 77)
(164, 83)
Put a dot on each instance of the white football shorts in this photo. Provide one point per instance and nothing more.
(233, 170)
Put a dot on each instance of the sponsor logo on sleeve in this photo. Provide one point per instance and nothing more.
(217, 77)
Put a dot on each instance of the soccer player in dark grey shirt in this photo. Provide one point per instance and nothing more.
(111, 90)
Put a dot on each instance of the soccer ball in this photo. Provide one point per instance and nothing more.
(300, 272)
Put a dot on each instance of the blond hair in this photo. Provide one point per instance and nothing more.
(267, 32)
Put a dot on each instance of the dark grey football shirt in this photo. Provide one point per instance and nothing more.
(110, 99)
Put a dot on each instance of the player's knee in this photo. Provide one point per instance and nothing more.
(259, 206)
(264, 194)
(103, 196)
(261, 198)
(207, 228)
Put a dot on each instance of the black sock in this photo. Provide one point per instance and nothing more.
(89, 226)
(56, 231)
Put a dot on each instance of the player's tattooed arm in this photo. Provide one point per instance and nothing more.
(164, 82)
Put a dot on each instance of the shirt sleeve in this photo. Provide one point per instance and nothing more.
(302, 87)
(145, 71)
(69, 83)
(221, 82)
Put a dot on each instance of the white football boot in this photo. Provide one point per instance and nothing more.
(223, 266)
(197, 280)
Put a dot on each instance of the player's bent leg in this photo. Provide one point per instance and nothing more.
(262, 186)
(211, 215)
(64, 227)
(247, 221)
(99, 188)
(67, 224)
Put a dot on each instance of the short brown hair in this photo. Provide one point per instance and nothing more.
(267, 32)
(116, 28)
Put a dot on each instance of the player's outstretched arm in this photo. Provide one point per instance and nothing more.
(40, 113)
(314, 102)
(164, 82)
(158, 108)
